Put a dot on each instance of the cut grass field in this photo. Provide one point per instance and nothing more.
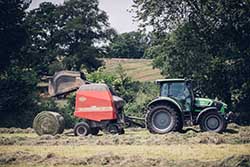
(137, 147)
(137, 69)
(201, 152)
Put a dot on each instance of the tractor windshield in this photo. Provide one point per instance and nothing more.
(178, 91)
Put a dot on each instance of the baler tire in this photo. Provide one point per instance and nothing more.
(94, 131)
(168, 110)
(122, 131)
(204, 122)
(113, 128)
(81, 129)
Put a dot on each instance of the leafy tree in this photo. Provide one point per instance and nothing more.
(67, 35)
(18, 98)
(12, 32)
(206, 40)
(124, 86)
(128, 45)
(138, 106)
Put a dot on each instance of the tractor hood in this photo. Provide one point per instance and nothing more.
(201, 103)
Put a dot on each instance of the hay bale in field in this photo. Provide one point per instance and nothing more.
(48, 122)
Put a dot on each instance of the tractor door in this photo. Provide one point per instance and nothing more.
(180, 92)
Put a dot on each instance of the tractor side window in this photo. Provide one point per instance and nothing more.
(164, 89)
(176, 90)
(182, 94)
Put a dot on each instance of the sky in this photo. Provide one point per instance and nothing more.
(117, 10)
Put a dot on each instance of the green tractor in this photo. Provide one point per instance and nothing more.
(178, 105)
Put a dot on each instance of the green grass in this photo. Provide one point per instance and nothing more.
(137, 69)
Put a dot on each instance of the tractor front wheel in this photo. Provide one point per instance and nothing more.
(162, 119)
(212, 121)
(81, 129)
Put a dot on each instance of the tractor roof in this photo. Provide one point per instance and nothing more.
(159, 81)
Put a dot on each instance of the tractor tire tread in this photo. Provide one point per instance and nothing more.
(220, 129)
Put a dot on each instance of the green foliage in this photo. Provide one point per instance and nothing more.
(101, 77)
(138, 106)
(128, 45)
(68, 111)
(124, 86)
(18, 98)
(12, 32)
(66, 35)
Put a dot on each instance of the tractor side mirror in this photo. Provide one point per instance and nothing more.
(197, 93)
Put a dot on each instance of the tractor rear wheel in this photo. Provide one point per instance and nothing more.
(82, 129)
(212, 121)
(162, 119)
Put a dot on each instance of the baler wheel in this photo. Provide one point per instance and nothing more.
(81, 129)
(114, 128)
(122, 131)
(94, 131)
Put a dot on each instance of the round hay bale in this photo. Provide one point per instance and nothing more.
(48, 122)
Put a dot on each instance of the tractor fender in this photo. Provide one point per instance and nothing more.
(206, 110)
(165, 99)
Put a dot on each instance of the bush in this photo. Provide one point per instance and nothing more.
(18, 98)
(137, 107)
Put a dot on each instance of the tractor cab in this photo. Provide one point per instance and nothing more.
(179, 90)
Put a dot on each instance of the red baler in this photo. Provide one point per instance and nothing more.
(99, 108)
